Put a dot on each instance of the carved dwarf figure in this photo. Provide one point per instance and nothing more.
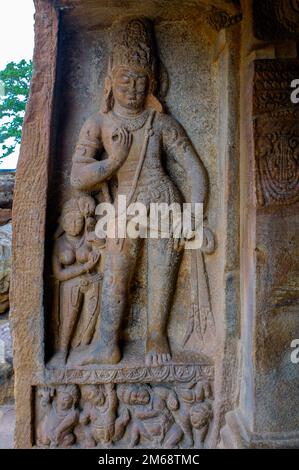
(60, 417)
(75, 263)
(195, 412)
(152, 414)
(140, 143)
(99, 423)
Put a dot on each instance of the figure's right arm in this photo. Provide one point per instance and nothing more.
(87, 172)
(84, 417)
(112, 397)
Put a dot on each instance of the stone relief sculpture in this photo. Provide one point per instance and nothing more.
(115, 340)
(75, 262)
(60, 416)
(195, 412)
(152, 414)
(126, 415)
(129, 148)
(132, 142)
(277, 139)
(99, 424)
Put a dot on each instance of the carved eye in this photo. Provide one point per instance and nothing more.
(141, 82)
(115, 136)
(124, 79)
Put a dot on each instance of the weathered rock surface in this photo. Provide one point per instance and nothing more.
(5, 336)
(7, 424)
(7, 182)
(6, 367)
(5, 265)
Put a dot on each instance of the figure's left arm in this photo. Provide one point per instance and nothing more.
(177, 144)
(67, 423)
(112, 397)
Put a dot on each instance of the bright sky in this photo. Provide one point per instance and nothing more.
(16, 42)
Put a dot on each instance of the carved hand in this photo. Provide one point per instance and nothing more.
(125, 415)
(121, 141)
(93, 258)
(84, 419)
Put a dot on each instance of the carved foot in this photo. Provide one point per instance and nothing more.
(58, 360)
(157, 351)
(100, 355)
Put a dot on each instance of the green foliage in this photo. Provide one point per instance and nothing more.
(14, 84)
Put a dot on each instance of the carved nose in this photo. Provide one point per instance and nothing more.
(132, 85)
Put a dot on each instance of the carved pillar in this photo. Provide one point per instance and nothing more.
(29, 220)
(268, 412)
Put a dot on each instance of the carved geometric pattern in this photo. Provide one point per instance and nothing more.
(169, 373)
(276, 128)
(276, 19)
(220, 19)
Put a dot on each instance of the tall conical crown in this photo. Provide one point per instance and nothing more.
(132, 45)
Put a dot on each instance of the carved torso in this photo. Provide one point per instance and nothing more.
(153, 185)
(70, 253)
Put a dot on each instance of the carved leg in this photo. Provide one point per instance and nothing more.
(84, 436)
(70, 306)
(119, 267)
(163, 266)
(85, 328)
(121, 425)
(135, 435)
(67, 441)
(173, 437)
(202, 434)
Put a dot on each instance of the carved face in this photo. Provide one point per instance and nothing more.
(172, 404)
(200, 415)
(100, 399)
(89, 393)
(130, 88)
(140, 397)
(64, 401)
(73, 223)
(45, 397)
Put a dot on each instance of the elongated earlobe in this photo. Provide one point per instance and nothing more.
(107, 102)
(153, 103)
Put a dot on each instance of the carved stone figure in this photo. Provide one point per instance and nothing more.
(152, 414)
(98, 418)
(75, 261)
(132, 140)
(195, 412)
(140, 342)
(129, 415)
(60, 416)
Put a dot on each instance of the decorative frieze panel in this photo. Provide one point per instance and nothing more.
(124, 415)
(276, 132)
(276, 20)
